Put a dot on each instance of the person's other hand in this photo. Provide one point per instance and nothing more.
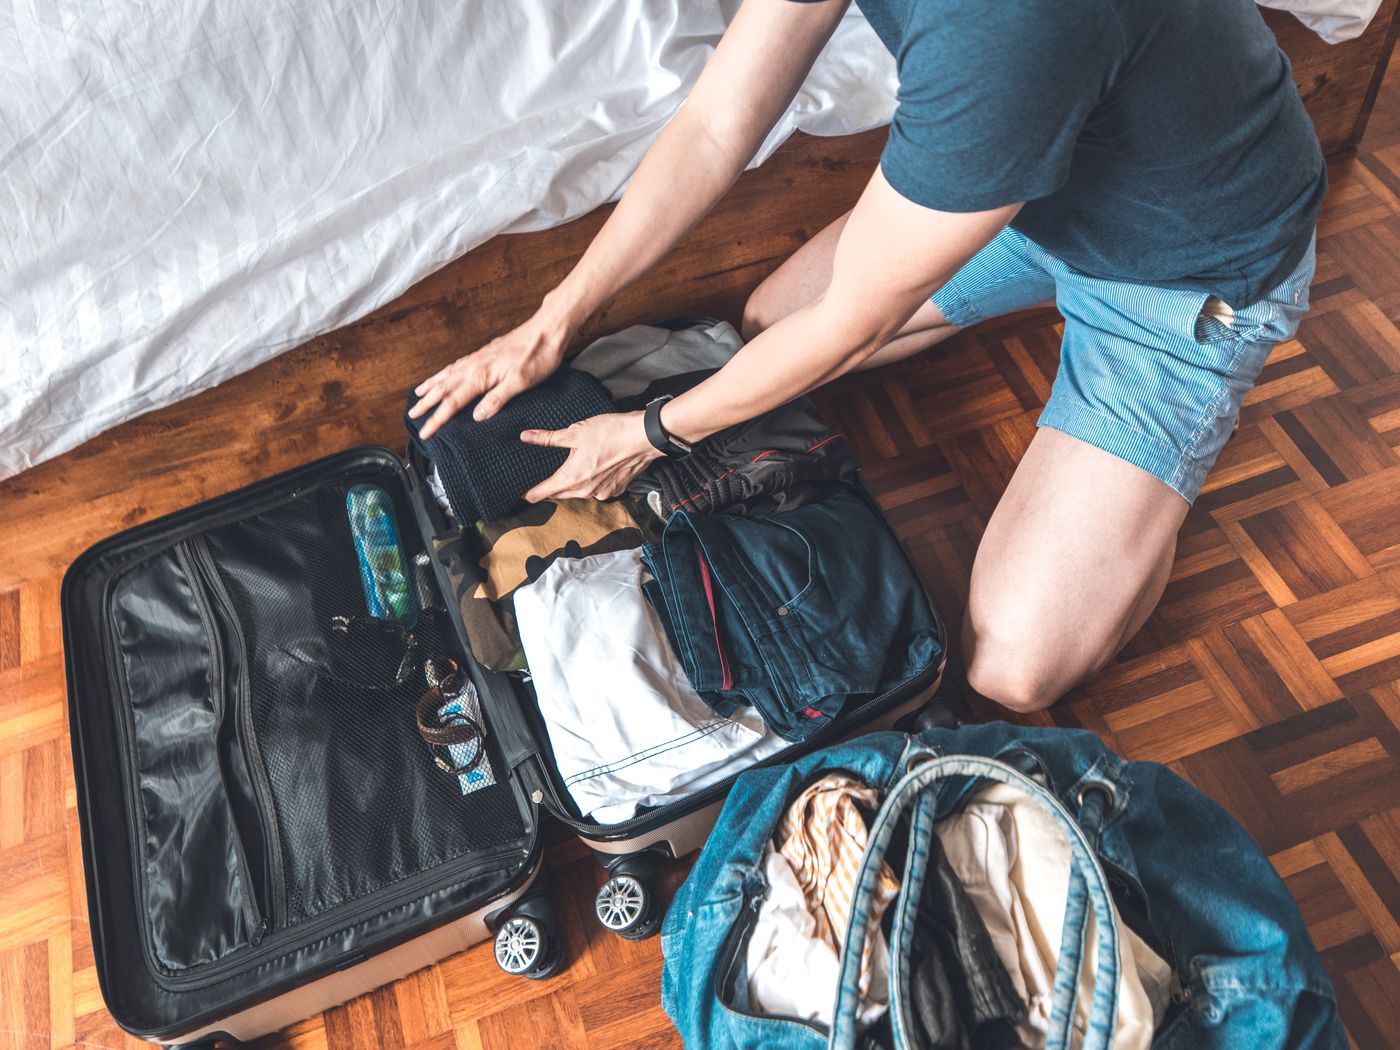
(605, 453)
(496, 373)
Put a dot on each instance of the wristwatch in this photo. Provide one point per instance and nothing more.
(663, 441)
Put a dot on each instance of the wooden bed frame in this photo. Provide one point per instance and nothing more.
(1338, 82)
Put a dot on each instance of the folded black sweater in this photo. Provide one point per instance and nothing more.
(484, 466)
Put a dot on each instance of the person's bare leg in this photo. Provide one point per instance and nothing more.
(806, 274)
(1073, 561)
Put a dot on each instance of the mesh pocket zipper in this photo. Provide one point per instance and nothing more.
(212, 588)
(252, 908)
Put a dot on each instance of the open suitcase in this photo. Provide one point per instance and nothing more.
(262, 835)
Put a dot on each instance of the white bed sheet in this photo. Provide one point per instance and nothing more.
(189, 188)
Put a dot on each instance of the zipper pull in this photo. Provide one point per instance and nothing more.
(258, 934)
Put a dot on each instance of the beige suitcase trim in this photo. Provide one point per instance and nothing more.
(688, 834)
(378, 970)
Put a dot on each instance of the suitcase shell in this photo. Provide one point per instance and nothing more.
(376, 936)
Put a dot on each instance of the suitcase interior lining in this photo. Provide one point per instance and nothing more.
(199, 898)
(279, 773)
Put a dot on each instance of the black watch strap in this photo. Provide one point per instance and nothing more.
(663, 442)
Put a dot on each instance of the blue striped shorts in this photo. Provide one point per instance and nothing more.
(1155, 376)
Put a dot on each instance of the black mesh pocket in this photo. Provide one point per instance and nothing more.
(356, 799)
(197, 889)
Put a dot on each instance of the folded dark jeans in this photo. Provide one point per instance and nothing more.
(484, 466)
(793, 612)
(775, 462)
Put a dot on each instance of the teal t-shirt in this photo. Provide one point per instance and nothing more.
(1155, 141)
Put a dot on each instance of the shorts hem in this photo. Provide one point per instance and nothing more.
(955, 307)
(1165, 463)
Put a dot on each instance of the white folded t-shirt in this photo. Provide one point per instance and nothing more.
(626, 727)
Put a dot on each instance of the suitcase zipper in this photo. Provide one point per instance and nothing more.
(247, 738)
(185, 554)
(326, 926)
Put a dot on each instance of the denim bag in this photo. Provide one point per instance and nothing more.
(1180, 870)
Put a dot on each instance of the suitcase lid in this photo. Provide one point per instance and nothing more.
(236, 797)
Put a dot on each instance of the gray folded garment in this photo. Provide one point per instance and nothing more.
(629, 361)
(776, 462)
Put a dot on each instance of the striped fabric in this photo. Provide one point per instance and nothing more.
(823, 836)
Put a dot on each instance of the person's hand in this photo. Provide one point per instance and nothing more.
(495, 373)
(605, 453)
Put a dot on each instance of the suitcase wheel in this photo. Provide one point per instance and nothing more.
(527, 946)
(626, 905)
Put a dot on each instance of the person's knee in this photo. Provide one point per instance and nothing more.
(1026, 653)
(1012, 676)
(763, 309)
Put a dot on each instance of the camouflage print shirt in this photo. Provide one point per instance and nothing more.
(490, 561)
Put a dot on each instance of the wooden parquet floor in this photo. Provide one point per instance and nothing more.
(1269, 676)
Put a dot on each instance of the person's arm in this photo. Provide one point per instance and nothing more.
(992, 99)
(892, 255)
(745, 87)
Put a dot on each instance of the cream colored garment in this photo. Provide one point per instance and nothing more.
(823, 837)
(1013, 860)
(1220, 310)
(792, 971)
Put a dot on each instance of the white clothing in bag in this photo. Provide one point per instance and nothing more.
(1013, 860)
(1336, 21)
(793, 972)
(626, 727)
